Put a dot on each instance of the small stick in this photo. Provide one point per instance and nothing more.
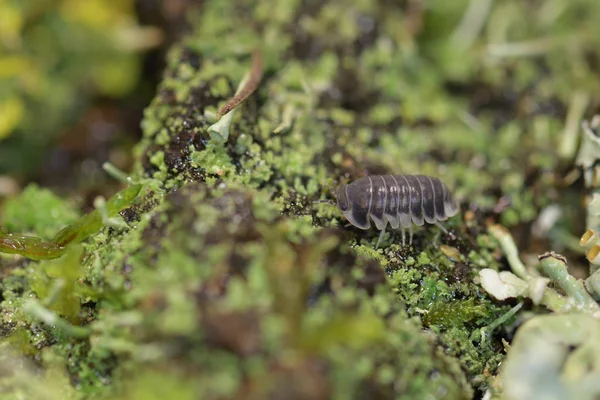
(256, 74)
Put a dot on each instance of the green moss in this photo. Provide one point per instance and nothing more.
(37, 211)
(215, 156)
(454, 313)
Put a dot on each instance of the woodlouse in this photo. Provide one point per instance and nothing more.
(400, 200)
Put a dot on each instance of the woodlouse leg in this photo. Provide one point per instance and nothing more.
(410, 232)
(442, 227)
(403, 237)
(330, 202)
(380, 237)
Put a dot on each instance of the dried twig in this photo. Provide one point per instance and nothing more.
(251, 84)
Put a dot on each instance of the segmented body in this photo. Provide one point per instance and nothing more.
(400, 200)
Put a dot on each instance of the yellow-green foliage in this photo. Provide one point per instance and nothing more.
(55, 56)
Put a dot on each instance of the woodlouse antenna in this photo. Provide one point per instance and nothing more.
(331, 202)
(328, 201)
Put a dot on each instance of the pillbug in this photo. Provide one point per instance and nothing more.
(400, 200)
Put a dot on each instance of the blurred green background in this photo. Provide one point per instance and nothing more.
(74, 79)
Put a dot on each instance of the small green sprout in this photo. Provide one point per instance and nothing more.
(35, 248)
(247, 86)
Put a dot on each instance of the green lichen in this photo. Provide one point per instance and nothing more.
(551, 356)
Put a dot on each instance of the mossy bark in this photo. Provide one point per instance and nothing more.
(231, 283)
